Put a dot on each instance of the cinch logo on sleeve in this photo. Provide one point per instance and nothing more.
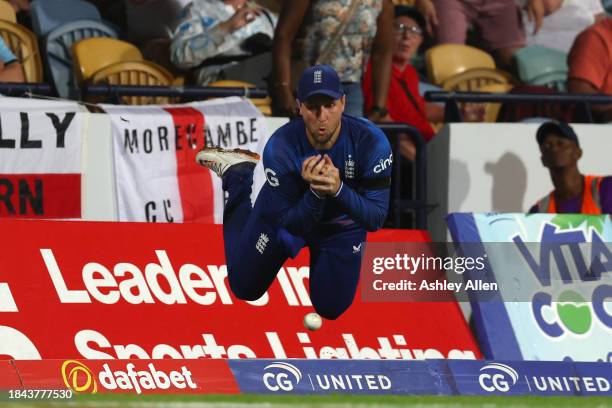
(497, 377)
(383, 164)
(281, 376)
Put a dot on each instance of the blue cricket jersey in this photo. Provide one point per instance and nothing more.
(363, 156)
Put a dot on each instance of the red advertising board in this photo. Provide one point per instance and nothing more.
(9, 378)
(96, 290)
(123, 376)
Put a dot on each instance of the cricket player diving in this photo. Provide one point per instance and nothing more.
(328, 179)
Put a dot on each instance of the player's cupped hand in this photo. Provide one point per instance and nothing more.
(320, 172)
(312, 166)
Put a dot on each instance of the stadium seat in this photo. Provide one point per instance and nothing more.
(7, 12)
(473, 79)
(58, 44)
(135, 73)
(446, 60)
(263, 104)
(539, 65)
(92, 54)
(23, 43)
(50, 14)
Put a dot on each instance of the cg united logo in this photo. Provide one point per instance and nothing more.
(281, 376)
(78, 377)
(497, 377)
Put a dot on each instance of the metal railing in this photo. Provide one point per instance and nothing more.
(452, 113)
(115, 91)
(418, 204)
(186, 93)
(25, 89)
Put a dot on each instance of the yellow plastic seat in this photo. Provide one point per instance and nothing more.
(23, 43)
(92, 54)
(263, 104)
(476, 78)
(136, 73)
(492, 108)
(446, 60)
(7, 12)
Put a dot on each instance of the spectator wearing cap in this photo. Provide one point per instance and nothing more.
(574, 192)
(590, 65)
(404, 103)
(10, 68)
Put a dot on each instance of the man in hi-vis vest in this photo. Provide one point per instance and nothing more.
(574, 192)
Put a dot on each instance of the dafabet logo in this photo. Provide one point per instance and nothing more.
(78, 377)
(81, 379)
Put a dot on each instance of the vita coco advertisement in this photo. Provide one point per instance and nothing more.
(554, 277)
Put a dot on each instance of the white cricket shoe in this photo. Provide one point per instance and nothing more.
(219, 160)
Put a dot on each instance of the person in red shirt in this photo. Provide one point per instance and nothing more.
(404, 103)
(590, 65)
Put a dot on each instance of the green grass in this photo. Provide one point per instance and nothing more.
(294, 401)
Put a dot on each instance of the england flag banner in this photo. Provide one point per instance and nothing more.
(41, 146)
(156, 175)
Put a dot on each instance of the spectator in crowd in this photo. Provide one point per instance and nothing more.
(338, 33)
(590, 65)
(150, 24)
(498, 22)
(564, 20)
(10, 69)
(404, 102)
(574, 192)
(152, 19)
(213, 35)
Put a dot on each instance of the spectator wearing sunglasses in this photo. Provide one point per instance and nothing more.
(404, 103)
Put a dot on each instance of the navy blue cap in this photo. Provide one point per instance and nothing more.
(560, 129)
(319, 79)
